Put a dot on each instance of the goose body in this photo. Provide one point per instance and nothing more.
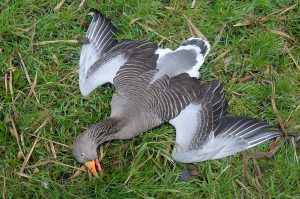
(156, 86)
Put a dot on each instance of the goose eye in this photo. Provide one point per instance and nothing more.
(82, 154)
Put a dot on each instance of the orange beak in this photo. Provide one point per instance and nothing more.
(94, 166)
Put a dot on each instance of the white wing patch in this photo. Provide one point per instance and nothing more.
(104, 74)
(187, 127)
(215, 148)
(163, 51)
(186, 124)
(88, 57)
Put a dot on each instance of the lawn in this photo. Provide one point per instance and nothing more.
(255, 44)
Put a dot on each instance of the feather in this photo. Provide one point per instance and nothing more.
(186, 59)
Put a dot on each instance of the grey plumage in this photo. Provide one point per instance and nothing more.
(149, 93)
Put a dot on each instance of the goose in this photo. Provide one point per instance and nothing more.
(102, 56)
(144, 99)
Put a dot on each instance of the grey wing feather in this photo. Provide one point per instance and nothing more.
(140, 60)
(99, 39)
(217, 99)
(178, 93)
(101, 33)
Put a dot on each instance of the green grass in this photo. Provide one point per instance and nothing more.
(147, 171)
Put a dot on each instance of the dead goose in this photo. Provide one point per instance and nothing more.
(147, 96)
(101, 56)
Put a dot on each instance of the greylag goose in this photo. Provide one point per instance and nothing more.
(101, 56)
(148, 95)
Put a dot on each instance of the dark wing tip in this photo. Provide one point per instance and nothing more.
(200, 43)
(95, 11)
(100, 33)
(244, 126)
(98, 14)
(84, 40)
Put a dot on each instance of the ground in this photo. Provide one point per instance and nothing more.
(254, 43)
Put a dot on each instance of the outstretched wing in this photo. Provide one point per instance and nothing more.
(203, 131)
(101, 56)
(98, 41)
(234, 135)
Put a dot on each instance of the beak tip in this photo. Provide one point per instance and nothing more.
(91, 167)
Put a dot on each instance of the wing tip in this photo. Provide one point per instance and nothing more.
(200, 43)
(84, 91)
(245, 127)
(262, 137)
(95, 11)
(101, 32)
(84, 40)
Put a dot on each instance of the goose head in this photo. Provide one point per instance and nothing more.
(85, 145)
